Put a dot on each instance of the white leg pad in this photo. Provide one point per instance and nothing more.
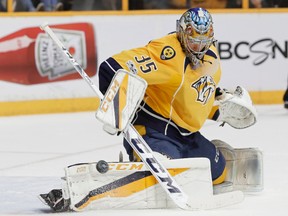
(244, 167)
(130, 185)
(126, 184)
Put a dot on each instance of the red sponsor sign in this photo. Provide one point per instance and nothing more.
(29, 56)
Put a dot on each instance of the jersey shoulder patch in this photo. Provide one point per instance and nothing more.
(167, 53)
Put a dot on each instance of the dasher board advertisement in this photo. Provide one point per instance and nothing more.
(253, 48)
(28, 56)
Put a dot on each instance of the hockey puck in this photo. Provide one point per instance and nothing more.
(102, 166)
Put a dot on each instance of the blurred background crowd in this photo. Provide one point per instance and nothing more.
(88, 5)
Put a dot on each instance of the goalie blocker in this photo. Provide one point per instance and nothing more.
(121, 101)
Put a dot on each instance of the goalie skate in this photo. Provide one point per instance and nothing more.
(55, 200)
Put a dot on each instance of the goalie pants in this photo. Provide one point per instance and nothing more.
(194, 145)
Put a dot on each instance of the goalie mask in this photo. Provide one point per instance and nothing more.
(195, 33)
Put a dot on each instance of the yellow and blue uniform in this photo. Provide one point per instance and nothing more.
(178, 100)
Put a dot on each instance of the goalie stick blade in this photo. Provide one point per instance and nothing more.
(216, 201)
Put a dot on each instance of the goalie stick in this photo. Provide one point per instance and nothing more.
(139, 145)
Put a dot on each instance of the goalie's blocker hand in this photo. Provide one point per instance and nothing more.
(121, 101)
(236, 108)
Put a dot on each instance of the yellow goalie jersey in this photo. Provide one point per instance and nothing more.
(178, 96)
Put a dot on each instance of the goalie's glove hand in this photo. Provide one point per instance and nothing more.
(236, 108)
(222, 95)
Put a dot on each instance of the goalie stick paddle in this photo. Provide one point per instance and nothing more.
(134, 139)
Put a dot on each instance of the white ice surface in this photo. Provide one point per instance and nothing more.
(34, 150)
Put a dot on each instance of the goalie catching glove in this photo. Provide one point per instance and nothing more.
(121, 101)
(236, 108)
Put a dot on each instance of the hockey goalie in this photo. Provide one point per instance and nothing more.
(158, 97)
(130, 184)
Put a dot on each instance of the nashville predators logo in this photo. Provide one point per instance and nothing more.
(167, 53)
(205, 86)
